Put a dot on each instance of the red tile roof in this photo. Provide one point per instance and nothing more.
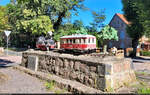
(122, 17)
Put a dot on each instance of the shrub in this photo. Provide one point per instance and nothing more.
(144, 91)
(145, 53)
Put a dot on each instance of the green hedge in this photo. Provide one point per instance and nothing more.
(145, 53)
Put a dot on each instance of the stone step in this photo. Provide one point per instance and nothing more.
(71, 86)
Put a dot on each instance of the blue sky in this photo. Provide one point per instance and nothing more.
(111, 7)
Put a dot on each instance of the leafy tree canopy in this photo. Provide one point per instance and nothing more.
(68, 29)
(3, 19)
(99, 18)
(108, 33)
(57, 10)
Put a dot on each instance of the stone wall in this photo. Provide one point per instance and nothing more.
(104, 73)
(1, 49)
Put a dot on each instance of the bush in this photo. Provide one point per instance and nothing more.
(144, 91)
(145, 53)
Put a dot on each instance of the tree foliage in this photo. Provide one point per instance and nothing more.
(69, 29)
(99, 18)
(136, 12)
(57, 10)
(107, 33)
(3, 19)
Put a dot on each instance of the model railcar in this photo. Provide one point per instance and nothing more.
(78, 42)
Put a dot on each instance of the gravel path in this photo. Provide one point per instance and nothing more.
(19, 82)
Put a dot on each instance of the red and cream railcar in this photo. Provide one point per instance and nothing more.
(78, 42)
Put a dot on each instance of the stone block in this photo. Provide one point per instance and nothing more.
(101, 83)
(77, 65)
(71, 64)
(56, 70)
(66, 63)
(91, 82)
(33, 63)
(84, 68)
(73, 75)
(60, 62)
(101, 70)
(108, 69)
(86, 78)
(92, 68)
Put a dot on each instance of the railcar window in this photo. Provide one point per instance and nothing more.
(77, 41)
(89, 40)
(64, 41)
(67, 41)
(73, 40)
(70, 40)
(92, 40)
(80, 41)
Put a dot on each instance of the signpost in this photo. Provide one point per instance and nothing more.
(7, 33)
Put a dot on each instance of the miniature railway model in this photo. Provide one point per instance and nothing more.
(78, 43)
(45, 44)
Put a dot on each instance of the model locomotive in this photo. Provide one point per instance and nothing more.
(45, 44)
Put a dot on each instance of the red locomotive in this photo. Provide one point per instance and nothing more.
(78, 42)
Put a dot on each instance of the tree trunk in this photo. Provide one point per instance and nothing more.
(104, 48)
(134, 46)
(60, 17)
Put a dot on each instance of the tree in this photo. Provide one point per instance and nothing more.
(4, 25)
(107, 33)
(28, 20)
(57, 10)
(77, 24)
(3, 19)
(68, 29)
(136, 14)
(99, 18)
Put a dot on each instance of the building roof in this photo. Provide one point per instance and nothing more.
(77, 36)
(122, 17)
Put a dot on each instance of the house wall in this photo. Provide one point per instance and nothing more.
(124, 40)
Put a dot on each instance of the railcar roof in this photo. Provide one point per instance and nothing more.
(77, 36)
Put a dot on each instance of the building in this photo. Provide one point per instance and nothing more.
(120, 23)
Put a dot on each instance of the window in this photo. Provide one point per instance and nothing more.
(70, 40)
(73, 40)
(89, 40)
(80, 41)
(92, 40)
(64, 41)
(84, 41)
(122, 35)
(67, 40)
(77, 41)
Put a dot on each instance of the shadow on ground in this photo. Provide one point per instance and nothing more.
(6, 63)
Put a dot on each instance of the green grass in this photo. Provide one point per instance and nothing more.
(143, 91)
(141, 73)
(61, 91)
(50, 85)
(145, 53)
